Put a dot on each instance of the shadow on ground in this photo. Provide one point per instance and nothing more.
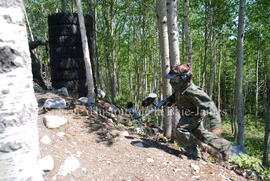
(104, 131)
(148, 143)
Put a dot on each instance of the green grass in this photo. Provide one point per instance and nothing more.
(253, 143)
(253, 136)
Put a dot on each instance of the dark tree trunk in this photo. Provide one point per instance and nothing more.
(238, 100)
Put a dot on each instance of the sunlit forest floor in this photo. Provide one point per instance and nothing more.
(253, 135)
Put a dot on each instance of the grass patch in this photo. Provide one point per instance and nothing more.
(253, 136)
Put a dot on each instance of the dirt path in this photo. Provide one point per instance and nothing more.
(106, 153)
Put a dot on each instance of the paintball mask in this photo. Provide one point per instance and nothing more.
(182, 71)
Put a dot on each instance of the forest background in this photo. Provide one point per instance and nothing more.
(127, 63)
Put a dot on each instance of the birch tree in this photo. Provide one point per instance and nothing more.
(19, 150)
(86, 56)
(173, 32)
(238, 99)
(164, 51)
(173, 50)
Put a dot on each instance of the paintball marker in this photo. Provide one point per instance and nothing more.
(156, 106)
(160, 103)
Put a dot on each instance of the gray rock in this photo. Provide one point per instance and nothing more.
(70, 165)
(139, 131)
(46, 163)
(83, 100)
(113, 116)
(124, 133)
(101, 93)
(51, 121)
(55, 103)
(63, 91)
(155, 130)
(113, 109)
(110, 120)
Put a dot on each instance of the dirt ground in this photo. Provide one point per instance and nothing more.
(105, 152)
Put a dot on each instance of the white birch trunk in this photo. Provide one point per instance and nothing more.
(164, 50)
(173, 32)
(86, 57)
(187, 32)
(19, 149)
(174, 51)
(238, 100)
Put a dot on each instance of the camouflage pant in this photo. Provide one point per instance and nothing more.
(191, 129)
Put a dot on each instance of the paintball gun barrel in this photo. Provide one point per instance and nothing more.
(161, 103)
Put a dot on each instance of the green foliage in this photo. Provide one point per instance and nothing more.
(253, 135)
(249, 162)
(130, 42)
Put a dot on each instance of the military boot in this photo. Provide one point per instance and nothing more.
(192, 152)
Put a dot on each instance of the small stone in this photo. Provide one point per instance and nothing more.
(70, 165)
(124, 133)
(78, 154)
(52, 121)
(97, 121)
(139, 144)
(196, 168)
(177, 170)
(138, 130)
(113, 116)
(63, 91)
(254, 176)
(195, 177)
(110, 120)
(101, 93)
(110, 109)
(150, 160)
(155, 130)
(55, 103)
(84, 170)
(46, 163)
(45, 140)
(60, 134)
(83, 100)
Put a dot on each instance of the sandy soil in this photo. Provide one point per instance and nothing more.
(106, 153)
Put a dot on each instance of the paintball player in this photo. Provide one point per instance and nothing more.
(200, 118)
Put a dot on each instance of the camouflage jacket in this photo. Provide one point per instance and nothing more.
(193, 101)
